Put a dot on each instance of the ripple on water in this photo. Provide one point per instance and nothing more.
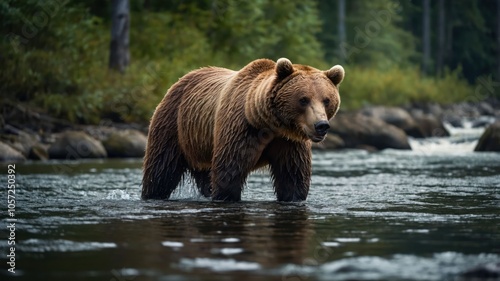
(60, 245)
(172, 244)
(390, 215)
(440, 266)
(218, 264)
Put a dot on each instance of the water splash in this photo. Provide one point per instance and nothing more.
(461, 141)
(441, 266)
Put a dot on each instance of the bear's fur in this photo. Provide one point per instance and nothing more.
(219, 125)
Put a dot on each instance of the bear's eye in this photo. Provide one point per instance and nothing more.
(326, 102)
(304, 101)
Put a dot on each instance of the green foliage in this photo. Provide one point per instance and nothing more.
(374, 36)
(246, 30)
(54, 54)
(398, 86)
(50, 53)
(62, 67)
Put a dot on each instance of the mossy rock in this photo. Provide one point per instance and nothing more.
(395, 116)
(9, 154)
(359, 131)
(39, 152)
(430, 126)
(125, 143)
(490, 140)
(71, 145)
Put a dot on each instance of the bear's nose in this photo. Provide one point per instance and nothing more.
(321, 127)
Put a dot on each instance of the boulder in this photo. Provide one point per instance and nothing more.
(395, 116)
(9, 154)
(19, 139)
(462, 110)
(488, 271)
(426, 108)
(490, 140)
(72, 145)
(453, 120)
(485, 108)
(331, 141)
(434, 109)
(430, 126)
(125, 143)
(358, 130)
(39, 152)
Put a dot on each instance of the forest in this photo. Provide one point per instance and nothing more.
(55, 54)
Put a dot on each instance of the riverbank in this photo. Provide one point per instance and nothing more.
(375, 128)
(27, 134)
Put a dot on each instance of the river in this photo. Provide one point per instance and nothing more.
(427, 214)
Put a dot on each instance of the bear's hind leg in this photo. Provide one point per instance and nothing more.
(163, 173)
(164, 163)
(202, 181)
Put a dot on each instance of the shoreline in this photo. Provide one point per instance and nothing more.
(28, 135)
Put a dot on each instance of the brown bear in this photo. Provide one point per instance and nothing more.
(219, 125)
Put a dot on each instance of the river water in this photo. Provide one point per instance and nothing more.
(427, 214)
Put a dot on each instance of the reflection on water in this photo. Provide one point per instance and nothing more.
(382, 216)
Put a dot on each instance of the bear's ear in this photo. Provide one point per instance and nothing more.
(284, 68)
(336, 74)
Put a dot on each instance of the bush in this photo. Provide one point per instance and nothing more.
(397, 86)
(63, 68)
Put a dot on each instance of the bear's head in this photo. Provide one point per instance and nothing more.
(305, 99)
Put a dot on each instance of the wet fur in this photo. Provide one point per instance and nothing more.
(218, 125)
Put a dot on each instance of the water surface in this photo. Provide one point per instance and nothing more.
(391, 215)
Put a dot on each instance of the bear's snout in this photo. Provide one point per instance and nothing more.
(322, 127)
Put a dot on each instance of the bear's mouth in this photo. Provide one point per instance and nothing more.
(318, 137)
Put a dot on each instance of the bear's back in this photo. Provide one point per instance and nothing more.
(195, 120)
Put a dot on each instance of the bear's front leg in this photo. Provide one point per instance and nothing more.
(290, 165)
(227, 183)
(236, 153)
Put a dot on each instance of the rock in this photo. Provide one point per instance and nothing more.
(39, 152)
(462, 110)
(426, 108)
(395, 116)
(489, 271)
(358, 130)
(453, 120)
(430, 126)
(434, 109)
(72, 145)
(19, 139)
(125, 143)
(490, 140)
(331, 141)
(100, 133)
(485, 108)
(106, 128)
(482, 122)
(9, 154)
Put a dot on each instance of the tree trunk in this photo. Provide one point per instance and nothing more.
(426, 37)
(441, 38)
(341, 26)
(119, 55)
(498, 39)
(450, 26)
